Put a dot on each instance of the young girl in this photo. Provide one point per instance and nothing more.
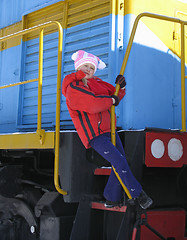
(89, 100)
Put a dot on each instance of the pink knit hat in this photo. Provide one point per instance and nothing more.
(81, 57)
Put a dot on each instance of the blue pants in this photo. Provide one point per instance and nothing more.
(116, 156)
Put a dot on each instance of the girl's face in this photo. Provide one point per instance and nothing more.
(88, 69)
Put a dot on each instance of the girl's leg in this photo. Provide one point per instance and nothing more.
(119, 145)
(113, 190)
(117, 192)
(102, 144)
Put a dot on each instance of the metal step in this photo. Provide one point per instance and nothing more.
(103, 171)
(101, 206)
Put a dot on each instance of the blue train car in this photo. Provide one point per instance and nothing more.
(143, 40)
(108, 38)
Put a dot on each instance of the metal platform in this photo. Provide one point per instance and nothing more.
(30, 140)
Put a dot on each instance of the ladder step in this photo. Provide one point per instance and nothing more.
(102, 171)
(101, 206)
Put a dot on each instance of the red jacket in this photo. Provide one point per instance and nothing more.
(89, 107)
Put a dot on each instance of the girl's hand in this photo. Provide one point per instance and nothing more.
(121, 81)
(85, 81)
(115, 100)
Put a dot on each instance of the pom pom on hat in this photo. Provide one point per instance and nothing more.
(74, 56)
(81, 57)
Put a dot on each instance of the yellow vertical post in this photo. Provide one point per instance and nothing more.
(113, 124)
(113, 139)
(113, 136)
(40, 132)
(58, 98)
(40, 78)
(113, 133)
(183, 102)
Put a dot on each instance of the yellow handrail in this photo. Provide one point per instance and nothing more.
(40, 82)
(161, 17)
(41, 132)
(18, 83)
(58, 98)
(183, 103)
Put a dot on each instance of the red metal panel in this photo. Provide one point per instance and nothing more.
(165, 149)
(102, 171)
(101, 206)
(167, 223)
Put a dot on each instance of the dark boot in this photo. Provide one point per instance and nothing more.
(144, 200)
(110, 204)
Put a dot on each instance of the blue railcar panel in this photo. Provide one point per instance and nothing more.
(9, 73)
(13, 10)
(153, 84)
(153, 97)
(30, 91)
(95, 35)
